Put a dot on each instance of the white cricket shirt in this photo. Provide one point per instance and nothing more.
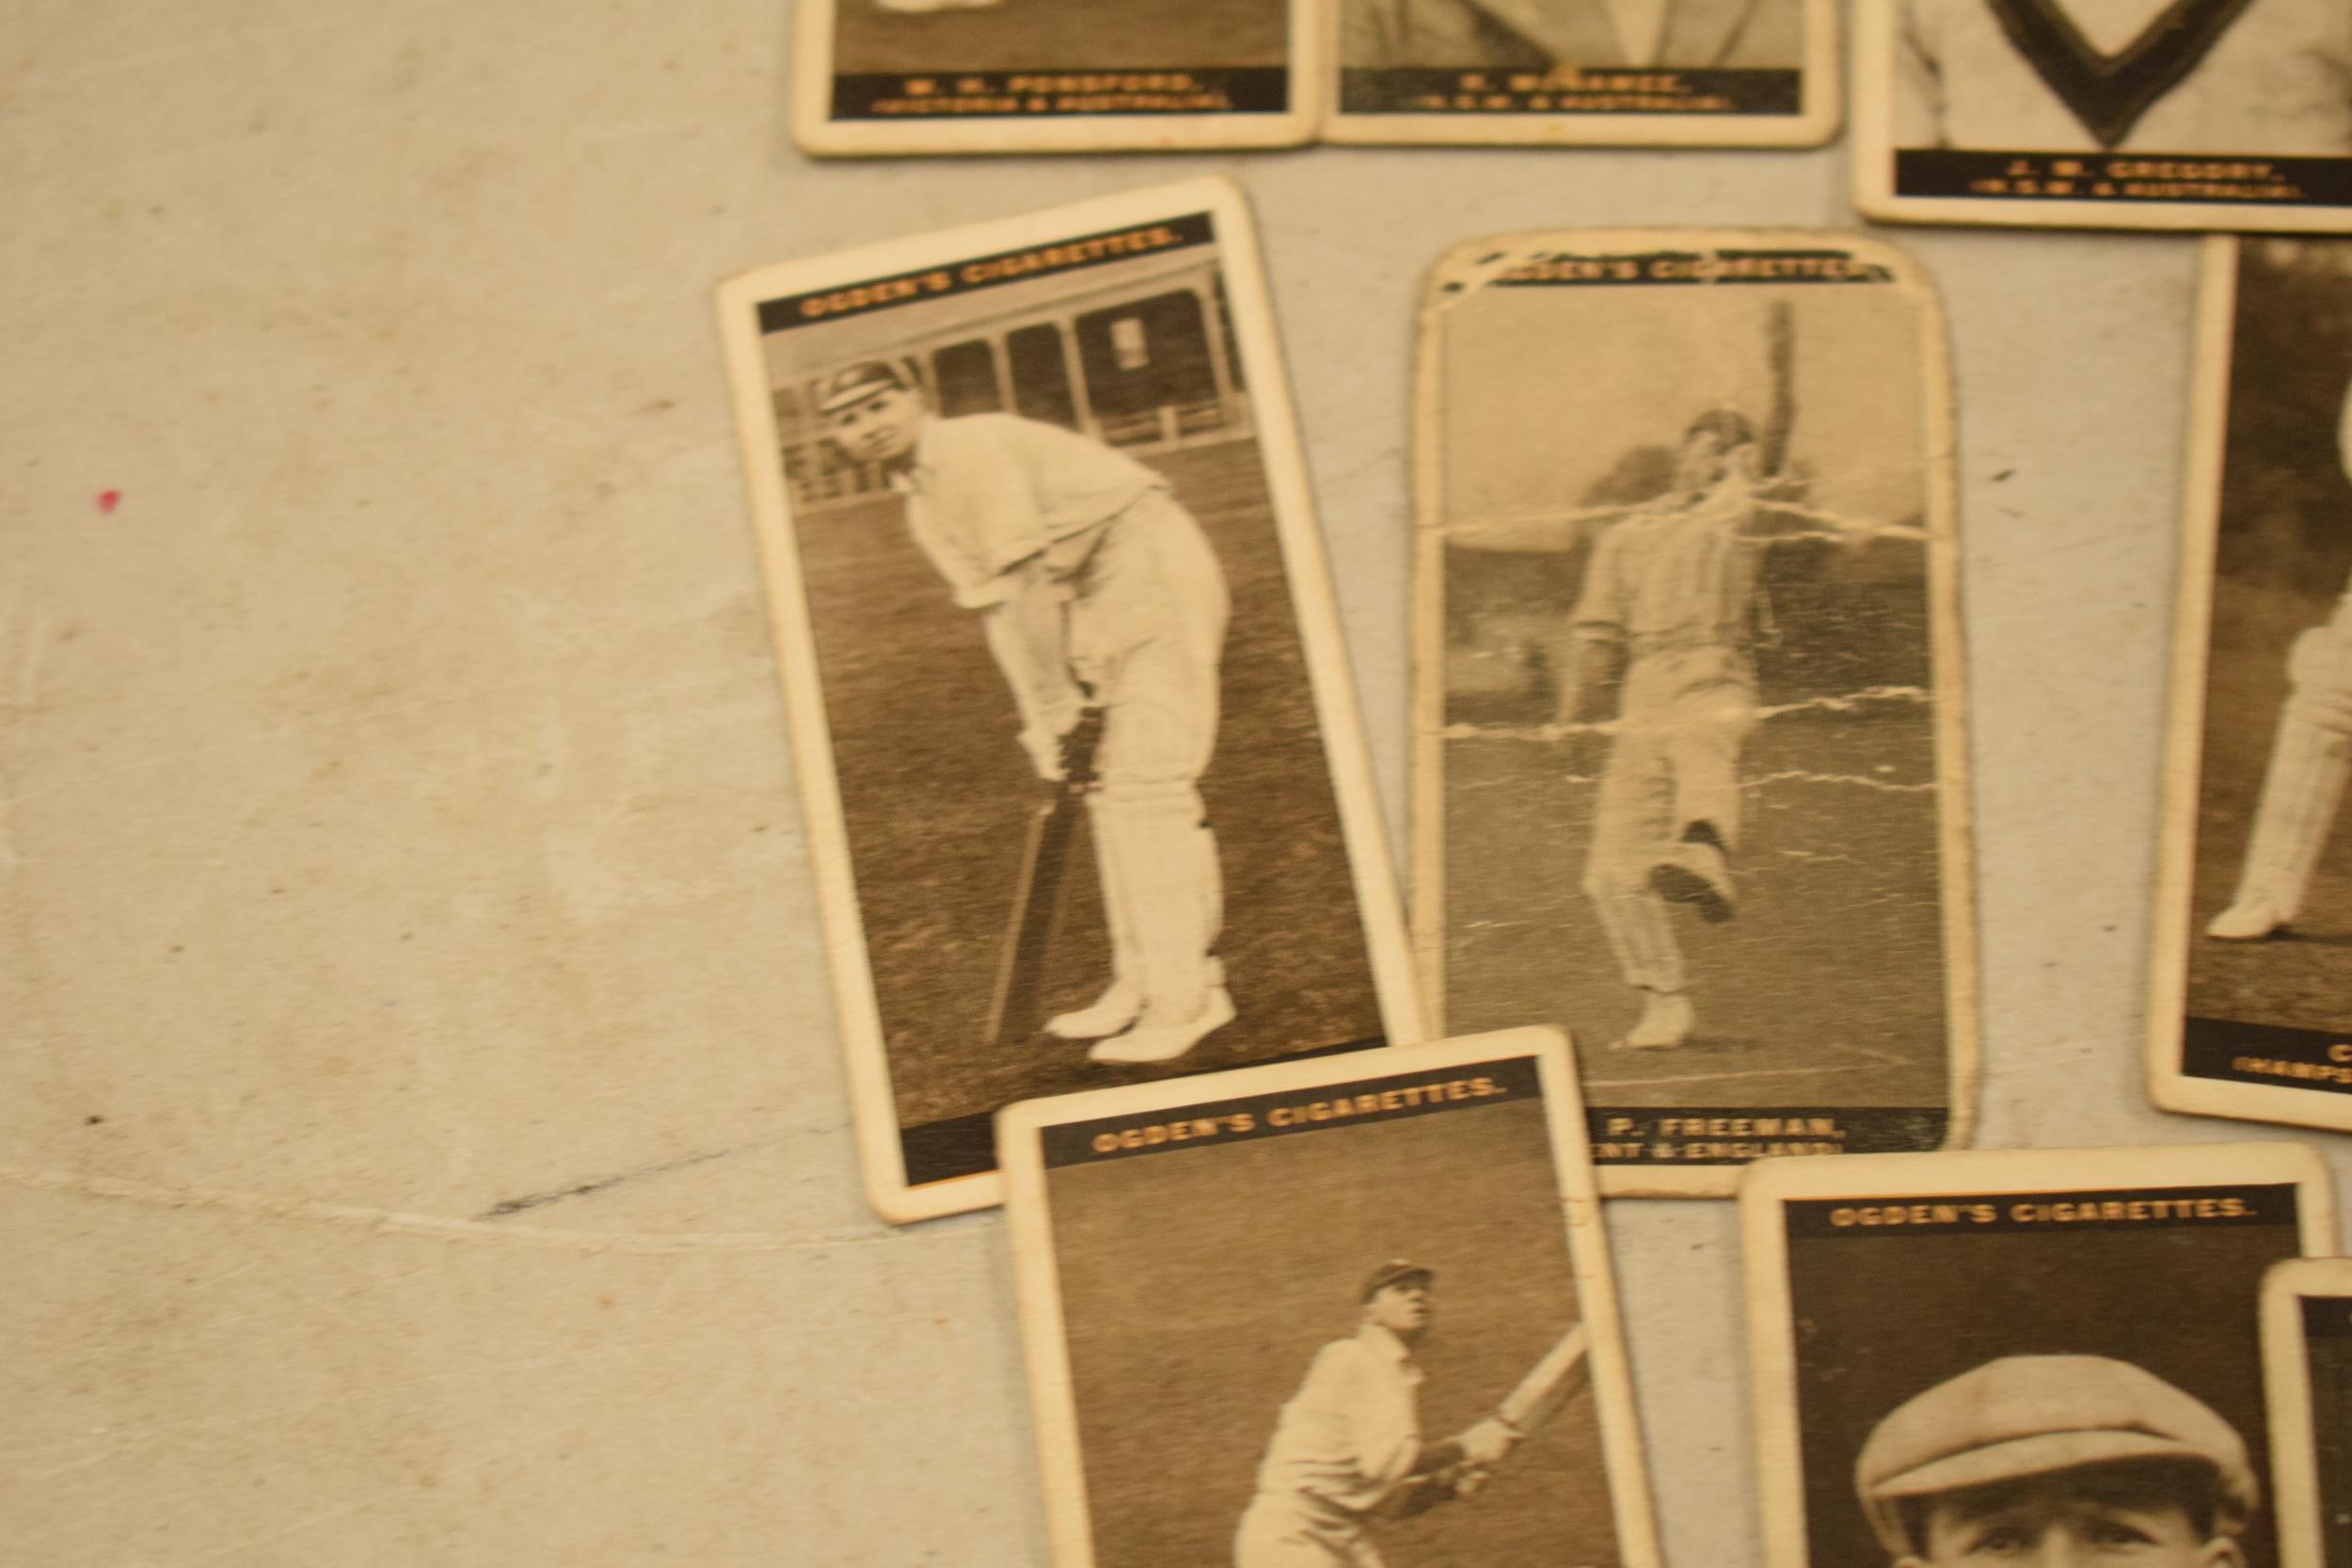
(1353, 1430)
(988, 491)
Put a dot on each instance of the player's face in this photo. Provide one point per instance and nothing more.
(1701, 463)
(1404, 1308)
(877, 429)
(2062, 1522)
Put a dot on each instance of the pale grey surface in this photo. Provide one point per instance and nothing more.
(395, 821)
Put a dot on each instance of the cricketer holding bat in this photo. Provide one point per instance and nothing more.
(1095, 590)
(1666, 619)
(1349, 1441)
(2310, 760)
(2056, 1462)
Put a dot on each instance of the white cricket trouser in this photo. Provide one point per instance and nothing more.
(1295, 1531)
(1147, 630)
(2310, 761)
(1684, 715)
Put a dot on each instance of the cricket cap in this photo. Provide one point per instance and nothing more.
(1393, 1271)
(2029, 1414)
(855, 384)
(1730, 427)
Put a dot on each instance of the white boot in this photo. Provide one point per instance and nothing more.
(2310, 761)
(1665, 1022)
(2250, 919)
(1123, 1004)
(1111, 1012)
(1171, 888)
(1151, 1040)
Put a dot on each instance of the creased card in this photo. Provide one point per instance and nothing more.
(1690, 757)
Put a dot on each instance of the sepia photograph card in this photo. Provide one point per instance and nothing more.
(1562, 72)
(1085, 789)
(1342, 1311)
(2038, 1356)
(1689, 767)
(2093, 114)
(2251, 973)
(2307, 1371)
(928, 76)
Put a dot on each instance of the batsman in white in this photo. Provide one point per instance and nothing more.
(1666, 619)
(2309, 763)
(1349, 1441)
(1095, 590)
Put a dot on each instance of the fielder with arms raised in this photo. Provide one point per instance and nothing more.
(2309, 763)
(1095, 591)
(1667, 621)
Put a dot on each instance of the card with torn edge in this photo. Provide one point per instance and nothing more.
(2040, 1348)
(2248, 1012)
(1624, 72)
(929, 76)
(1085, 790)
(1689, 754)
(2199, 114)
(2307, 1374)
(1385, 1282)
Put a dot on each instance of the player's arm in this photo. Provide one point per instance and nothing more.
(1451, 1470)
(1774, 507)
(1590, 660)
(1429, 1478)
(1780, 354)
(1028, 635)
(1590, 664)
(1006, 579)
(1463, 1463)
(1445, 1482)
(1004, 527)
(1416, 1473)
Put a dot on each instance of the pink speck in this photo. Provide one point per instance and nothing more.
(108, 500)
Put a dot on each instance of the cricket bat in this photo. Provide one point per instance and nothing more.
(1012, 1008)
(1535, 1400)
(1547, 1384)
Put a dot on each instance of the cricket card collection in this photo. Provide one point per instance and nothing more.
(1112, 930)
